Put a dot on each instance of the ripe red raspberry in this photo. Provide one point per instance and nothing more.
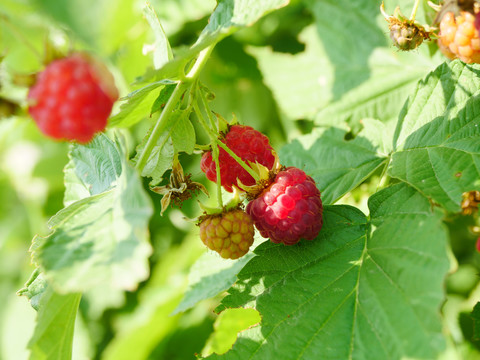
(289, 209)
(248, 144)
(458, 37)
(478, 244)
(230, 234)
(72, 98)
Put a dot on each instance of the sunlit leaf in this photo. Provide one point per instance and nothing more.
(362, 290)
(337, 165)
(53, 335)
(101, 238)
(437, 140)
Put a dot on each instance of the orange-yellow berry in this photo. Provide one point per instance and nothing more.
(458, 37)
(230, 233)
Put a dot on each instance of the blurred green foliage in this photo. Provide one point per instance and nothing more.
(113, 324)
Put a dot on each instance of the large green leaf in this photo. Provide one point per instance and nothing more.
(437, 140)
(100, 239)
(349, 69)
(53, 336)
(338, 165)
(364, 289)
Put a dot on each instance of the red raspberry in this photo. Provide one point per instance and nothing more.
(289, 209)
(72, 98)
(478, 244)
(458, 37)
(230, 234)
(250, 145)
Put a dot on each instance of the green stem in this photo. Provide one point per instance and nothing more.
(414, 10)
(219, 179)
(160, 126)
(199, 63)
(215, 151)
(202, 147)
(162, 121)
(208, 111)
(211, 134)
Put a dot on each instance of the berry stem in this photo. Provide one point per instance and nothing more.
(217, 142)
(215, 151)
(162, 121)
(219, 179)
(208, 111)
(240, 161)
(414, 10)
(160, 126)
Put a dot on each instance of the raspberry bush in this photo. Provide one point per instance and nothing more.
(239, 180)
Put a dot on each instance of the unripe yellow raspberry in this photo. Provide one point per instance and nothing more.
(458, 37)
(229, 233)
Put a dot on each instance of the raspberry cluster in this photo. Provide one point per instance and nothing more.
(72, 98)
(246, 143)
(287, 208)
(230, 233)
(459, 38)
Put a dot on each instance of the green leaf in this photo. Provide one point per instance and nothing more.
(101, 239)
(437, 140)
(137, 105)
(349, 69)
(337, 165)
(176, 13)
(227, 326)
(93, 168)
(160, 159)
(162, 50)
(34, 289)
(162, 98)
(476, 321)
(228, 17)
(183, 134)
(361, 290)
(53, 336)
(208, 277)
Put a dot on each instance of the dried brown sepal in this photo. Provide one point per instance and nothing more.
(406, 34)
(470, 202)
(180, 188)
